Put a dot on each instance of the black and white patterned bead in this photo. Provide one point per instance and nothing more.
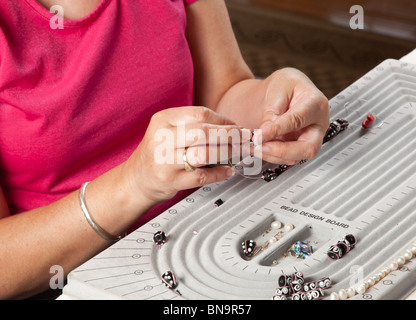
(324, 283)
(334, 252)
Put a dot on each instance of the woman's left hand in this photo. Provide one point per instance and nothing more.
(295, 119)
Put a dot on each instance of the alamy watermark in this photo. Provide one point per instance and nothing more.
(57, 21)
(57, 281)
(212, 146)
(357, 20)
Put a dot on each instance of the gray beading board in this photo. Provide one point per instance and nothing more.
(362, 182)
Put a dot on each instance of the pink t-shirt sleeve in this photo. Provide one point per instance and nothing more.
(187, 2)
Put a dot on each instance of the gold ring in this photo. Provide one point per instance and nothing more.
(188, 167)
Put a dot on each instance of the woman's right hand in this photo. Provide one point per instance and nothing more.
(156, 168)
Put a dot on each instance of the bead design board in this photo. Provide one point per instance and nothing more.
(363, 182)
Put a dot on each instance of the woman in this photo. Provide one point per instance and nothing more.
(85, 103)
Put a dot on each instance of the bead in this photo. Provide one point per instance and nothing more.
(361, 289)
(351, 292)
(289, 280)
(412, 248)
(248, 247)
(298, 276)
(334, 128)
(351, 239)
(380, 275)
(324, 283)
(276, 225)
(343, 247)
(371, 281)
(286, 290)
(334, 296)
(342, 294)
(169, 279)
(289, 227)
(407, 254)
(282, 280)
(296, 286)
(296, 296)
(299, 296)
(300, 249)
(368, 121)
(218, 203)
(269, 175)
(334, 252)
(160, 238)
(272, 240)
(316, 294)
(393, 265)
(385, 271)
(400, 260)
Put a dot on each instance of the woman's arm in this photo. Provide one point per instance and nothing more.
(59, 234)
(218, 62)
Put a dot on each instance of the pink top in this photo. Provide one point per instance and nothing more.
(75, 102)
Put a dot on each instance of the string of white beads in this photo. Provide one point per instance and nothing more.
(406, 255)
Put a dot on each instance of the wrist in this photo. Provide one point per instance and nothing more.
(112, 204)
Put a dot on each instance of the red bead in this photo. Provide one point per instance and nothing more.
(367, 122)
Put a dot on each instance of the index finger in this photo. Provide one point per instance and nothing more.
(295, 119)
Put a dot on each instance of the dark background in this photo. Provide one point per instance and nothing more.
(315, 37)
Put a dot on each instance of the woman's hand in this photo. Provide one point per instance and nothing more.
(156, 168)
(295, 119)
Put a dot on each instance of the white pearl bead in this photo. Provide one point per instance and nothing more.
(371, 282)
(407, 254)
(412, 248)
(351, 292)
(400, 260)
(334, 296)
(393, 265)
(272, 240)
(361, 289)
(276, 225)
(386, 271)
(289, 227)
(343, 295)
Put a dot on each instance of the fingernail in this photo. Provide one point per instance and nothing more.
(230, 172)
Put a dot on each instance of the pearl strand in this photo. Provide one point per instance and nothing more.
(408, 254)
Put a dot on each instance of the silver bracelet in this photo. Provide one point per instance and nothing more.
(102, 233)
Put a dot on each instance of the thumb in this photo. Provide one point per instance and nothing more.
(276, 104)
